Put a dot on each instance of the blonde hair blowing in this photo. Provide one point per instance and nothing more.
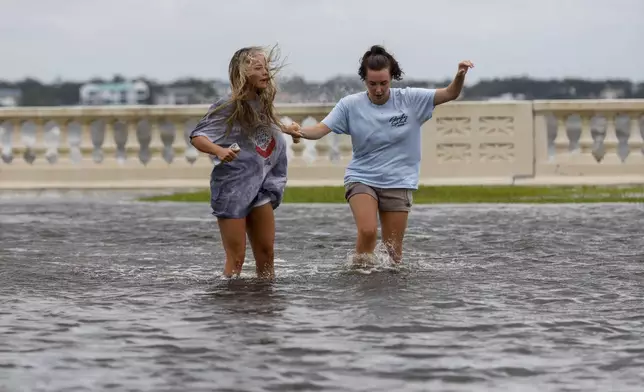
(243, 114)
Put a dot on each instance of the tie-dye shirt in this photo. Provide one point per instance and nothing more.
(256, 176)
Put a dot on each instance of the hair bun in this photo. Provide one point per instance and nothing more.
(377, 49)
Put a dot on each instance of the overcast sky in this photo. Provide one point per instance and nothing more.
(169, 39)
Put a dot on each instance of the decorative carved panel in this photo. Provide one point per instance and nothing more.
(454, 152)
(496, 152)
(495, 126)
(453, 126)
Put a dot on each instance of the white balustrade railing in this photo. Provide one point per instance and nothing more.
(589, 138)
(465, 143)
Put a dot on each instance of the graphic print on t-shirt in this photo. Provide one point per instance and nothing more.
(264, 141)
(398, 121)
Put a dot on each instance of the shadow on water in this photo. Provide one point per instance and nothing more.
(245, 296)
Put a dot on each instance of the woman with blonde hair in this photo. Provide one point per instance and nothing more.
(243, 135)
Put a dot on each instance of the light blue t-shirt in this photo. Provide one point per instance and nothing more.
(386, 138)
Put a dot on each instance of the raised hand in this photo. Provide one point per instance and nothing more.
(464, 66)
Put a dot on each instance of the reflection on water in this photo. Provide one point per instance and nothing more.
(104, 293)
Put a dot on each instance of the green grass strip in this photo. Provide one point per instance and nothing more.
(456, 194)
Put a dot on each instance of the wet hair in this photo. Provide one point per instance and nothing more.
(242, 113)
(376, 59)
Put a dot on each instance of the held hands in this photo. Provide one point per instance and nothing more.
(463, 67)
(230, 153)
(294, 130)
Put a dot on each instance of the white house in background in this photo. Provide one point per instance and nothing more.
(126, 93)
(612, 93)
(180, 96)
(10, 96)
(507, 97)
(221, 88)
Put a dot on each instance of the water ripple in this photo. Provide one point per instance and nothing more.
(105, 293)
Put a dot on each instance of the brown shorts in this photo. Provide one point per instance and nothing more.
(388, 199)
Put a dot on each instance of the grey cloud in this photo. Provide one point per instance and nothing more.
(167, 39)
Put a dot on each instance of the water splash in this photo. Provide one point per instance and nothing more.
(378, 261)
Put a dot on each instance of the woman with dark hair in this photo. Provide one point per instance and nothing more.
(384, 124)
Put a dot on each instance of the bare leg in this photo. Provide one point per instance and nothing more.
(260, 225)
(365, 214)
(233, 236)
(394, 224)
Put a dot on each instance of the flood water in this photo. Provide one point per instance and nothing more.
(101, 292)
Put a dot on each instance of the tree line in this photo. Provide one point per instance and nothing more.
(298, 89)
